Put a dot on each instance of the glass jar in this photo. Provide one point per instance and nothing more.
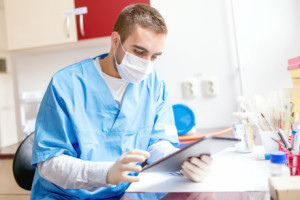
(278, 164)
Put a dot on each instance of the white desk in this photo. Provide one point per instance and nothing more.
(231, 172)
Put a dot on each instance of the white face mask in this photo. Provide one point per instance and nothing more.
(133, 68)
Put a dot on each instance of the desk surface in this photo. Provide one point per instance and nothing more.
(199, 196)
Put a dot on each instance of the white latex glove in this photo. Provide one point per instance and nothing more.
(127, 162)
(196, 169)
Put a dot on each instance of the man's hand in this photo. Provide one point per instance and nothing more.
(196, 169)
(127, 162)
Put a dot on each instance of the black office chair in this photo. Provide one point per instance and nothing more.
(22, 169)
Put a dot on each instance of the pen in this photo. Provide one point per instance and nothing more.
(293, 139)
(282, 146)
(296, 151)
(296, 143)
(285, 141)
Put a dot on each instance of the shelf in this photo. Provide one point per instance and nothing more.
(3, 108)
(68, 46)
(5, 74)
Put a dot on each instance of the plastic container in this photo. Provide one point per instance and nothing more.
(292, 160)
(278, 165)
(268, 143)
(184, 118)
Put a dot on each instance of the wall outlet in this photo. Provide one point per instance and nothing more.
(191, 88)
(210, 87)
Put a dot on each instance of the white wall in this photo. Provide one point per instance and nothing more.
(268, 35)
(201, 41)
(35, 71)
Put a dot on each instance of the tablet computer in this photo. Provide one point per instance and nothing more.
(207, 145)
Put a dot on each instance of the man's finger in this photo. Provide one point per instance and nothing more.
(130, 179)
(207, 159)
(193, 168)
(199, 163)
(146, 154)
(191, 175)
(132, 159)
(128, 167)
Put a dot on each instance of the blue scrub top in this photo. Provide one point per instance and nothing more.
(79, 117)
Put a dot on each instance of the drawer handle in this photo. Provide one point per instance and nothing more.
(81, 25)
(68, 26)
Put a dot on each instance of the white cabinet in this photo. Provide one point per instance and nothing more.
(36, 23)
(8, 130)
(9, 190)
(6, 91)
(3, 42)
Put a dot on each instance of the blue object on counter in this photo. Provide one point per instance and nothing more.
(184, 118)
(278, 157)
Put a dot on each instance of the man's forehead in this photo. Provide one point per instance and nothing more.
(147, 39)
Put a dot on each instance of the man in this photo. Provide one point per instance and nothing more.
(101, 118)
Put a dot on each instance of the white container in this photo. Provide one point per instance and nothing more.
(269, 144)
(278, 165)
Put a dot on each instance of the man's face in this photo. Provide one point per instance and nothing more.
(144, 43)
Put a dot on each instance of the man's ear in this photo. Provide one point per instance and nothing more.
(115, 40)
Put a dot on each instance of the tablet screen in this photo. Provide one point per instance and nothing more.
(207, 145)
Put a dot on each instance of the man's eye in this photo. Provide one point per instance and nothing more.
(153, 58)
(139, 52)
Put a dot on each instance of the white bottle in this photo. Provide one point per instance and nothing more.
(242, 127)
(278, 164)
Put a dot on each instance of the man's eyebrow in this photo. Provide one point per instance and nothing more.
(141, 48)
(146, 50)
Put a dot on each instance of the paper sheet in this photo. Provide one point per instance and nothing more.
(231, 171)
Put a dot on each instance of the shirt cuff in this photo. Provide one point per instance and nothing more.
(97, 173)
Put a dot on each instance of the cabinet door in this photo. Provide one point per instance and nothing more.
(3, 43)
(8, 126)
(8, 186)
(100, 17)
(35, 23)
(6, 91)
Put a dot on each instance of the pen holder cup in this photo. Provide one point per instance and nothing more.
(292, 161)
(268, 143)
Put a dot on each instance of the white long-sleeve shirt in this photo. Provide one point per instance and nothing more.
(73, 173)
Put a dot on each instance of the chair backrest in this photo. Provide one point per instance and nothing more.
(22, 169)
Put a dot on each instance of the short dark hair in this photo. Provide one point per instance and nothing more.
(139, 15)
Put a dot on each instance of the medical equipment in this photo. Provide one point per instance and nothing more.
(242, 127)
(29, 106)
